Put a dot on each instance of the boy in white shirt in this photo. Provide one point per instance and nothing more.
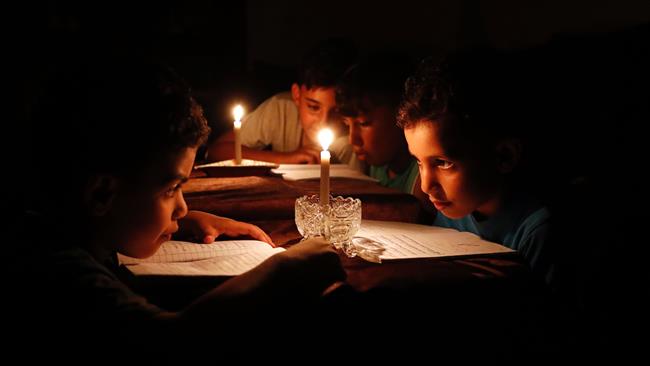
(283, 128)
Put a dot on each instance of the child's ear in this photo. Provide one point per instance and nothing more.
(99, 194)
(295, 93)
(508, 154)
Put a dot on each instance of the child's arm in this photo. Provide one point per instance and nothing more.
(302, 272)
(207, 227)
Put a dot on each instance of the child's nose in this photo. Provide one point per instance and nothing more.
(428, 180)
(355, 137)
(323, 118)
(181, 207)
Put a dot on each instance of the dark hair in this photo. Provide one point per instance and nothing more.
(471, 95)
(378, 79)
(112, 116)
(323, 65)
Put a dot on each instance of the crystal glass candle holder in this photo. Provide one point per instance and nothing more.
(338, 222)
(309, 216)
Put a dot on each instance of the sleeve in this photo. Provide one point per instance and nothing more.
(534, 248)
(107, 297)
(256, 129)
(68, 288)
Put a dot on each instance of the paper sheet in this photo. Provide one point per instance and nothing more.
(222, 258)
(312, 171)
(403, 240)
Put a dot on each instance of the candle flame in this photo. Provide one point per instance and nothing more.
(238, 112)
(325, 138)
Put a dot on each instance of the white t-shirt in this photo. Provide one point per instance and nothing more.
(275, 124)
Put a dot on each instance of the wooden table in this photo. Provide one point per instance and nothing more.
(261, 198)
(484, 298)
(269, 203)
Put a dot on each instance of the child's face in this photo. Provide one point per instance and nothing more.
(455, 187)
(374, 136)
(315, 106)
(146, 209)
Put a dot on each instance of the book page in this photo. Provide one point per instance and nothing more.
(402, 240)
(312, 171)
(221, 258)
(286, 167)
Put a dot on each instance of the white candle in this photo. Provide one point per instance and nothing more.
(325, 137)
(238, 112)
(325, 178)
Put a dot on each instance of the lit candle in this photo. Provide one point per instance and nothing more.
(325, 137)
(238, 112)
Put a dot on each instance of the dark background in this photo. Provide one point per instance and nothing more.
(589, 61)
(243, 51)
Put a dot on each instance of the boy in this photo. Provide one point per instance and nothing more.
(461, 125)
(284, 128)
(367, 98)
(125, 138)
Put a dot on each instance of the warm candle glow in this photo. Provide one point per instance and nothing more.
(325, 138)
(238, 112)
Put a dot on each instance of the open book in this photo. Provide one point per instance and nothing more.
(221, 258)
(397, 240)
(312, 171)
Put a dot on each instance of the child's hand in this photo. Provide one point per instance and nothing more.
(304, 155)
(301, 273)
(207, 227)
(311, 266)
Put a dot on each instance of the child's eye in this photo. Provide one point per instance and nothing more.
(172, 191)
(444, 164)
(313, 107)
(365, 123)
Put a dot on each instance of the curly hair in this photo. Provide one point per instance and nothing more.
(469, 95)
(325, 63)
(116, 115)
(111, 116)
(377, 79)
(426, 95)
